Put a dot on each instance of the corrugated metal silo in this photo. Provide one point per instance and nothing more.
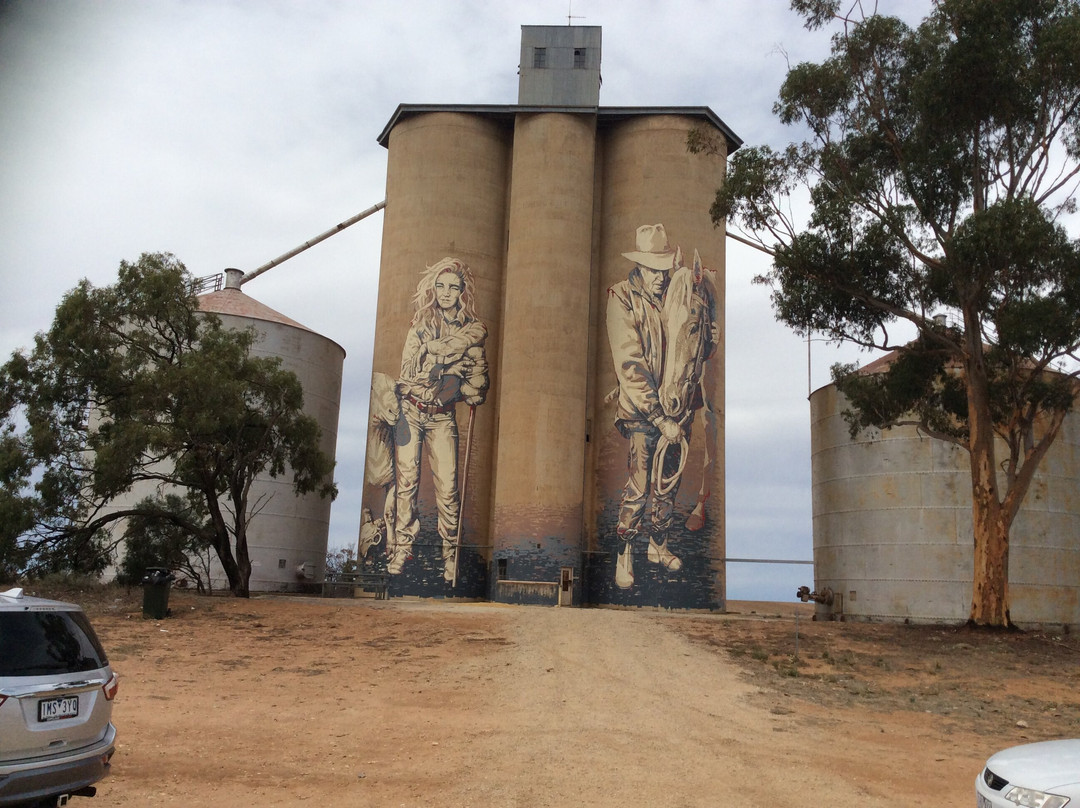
(288, 537)
(893, 525)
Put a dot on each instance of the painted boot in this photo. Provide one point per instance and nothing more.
(396, 558)
(624, 567)
(449, 561)
(660, 554)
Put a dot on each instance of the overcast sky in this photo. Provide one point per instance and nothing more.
(228, 133)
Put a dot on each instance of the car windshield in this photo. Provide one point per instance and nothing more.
(42, 643)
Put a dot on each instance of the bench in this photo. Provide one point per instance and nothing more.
(377, 583)
(351, 584)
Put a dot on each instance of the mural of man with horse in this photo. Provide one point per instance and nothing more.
(661, 325)
(443, 362)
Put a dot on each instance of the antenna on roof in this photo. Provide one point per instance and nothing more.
(569, 16)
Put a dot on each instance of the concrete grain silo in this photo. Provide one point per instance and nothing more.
(648, 174)
(447, 177)
(539, 506)
(505, 406)
(892, 520)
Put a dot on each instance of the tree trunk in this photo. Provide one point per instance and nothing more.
(990, 582)
(990, 523)
(238, 579)
(233, 572)
(243, 560)
(238, 494)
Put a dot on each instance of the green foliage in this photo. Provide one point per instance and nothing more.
(918, 386)
(171, 532)
(938, 162)
(16, 512)
(133, 385)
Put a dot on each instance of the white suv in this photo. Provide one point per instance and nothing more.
(56, 692)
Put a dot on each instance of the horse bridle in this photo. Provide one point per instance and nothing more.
(665, 485)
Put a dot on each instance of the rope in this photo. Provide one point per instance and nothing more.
(665, 485)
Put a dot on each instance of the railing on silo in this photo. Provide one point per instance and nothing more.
(207, 283)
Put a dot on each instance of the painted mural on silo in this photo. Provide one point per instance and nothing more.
(414, 435)
(663, 329)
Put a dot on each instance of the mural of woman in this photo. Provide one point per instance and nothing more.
(443, 362)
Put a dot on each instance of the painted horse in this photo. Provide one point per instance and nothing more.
(379, 471)
(689, 321)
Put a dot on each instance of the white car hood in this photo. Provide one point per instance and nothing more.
(1044, 766)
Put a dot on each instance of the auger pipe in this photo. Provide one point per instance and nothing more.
(321, 237)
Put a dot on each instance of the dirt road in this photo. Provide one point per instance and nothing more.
(282, 702)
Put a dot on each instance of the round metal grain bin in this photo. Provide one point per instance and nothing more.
(288, 537)
(893, 526)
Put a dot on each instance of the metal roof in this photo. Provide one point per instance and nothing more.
(236, 303)
(604, 115)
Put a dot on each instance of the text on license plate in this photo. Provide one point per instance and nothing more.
(982, 802)
(55, 709)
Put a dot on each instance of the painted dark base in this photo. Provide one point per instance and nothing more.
(422, 575)
(694, 587)
(529, 575)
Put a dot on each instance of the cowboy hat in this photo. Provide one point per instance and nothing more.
(652, 248)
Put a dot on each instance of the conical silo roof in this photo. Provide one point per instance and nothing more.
(236, 303)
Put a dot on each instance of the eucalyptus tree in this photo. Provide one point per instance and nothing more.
(133, 386)
(940, 165)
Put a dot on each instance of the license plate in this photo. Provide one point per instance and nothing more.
(58, 708)
(982, 802)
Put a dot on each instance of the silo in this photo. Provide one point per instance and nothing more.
(445, 198)
(892, 525)
(288, 536)
(538, 513)
(650, 178)
(542, 208)
(1044, 562)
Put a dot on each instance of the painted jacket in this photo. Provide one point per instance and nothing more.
(636, 335)
(446, 365)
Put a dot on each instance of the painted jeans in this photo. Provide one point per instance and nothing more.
(439, 433)
(636, 494)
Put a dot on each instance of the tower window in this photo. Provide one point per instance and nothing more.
(540, 58)
(579, 58)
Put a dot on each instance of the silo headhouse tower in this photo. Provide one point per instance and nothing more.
(547, 410)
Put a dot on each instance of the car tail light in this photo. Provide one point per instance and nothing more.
(110, 687)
